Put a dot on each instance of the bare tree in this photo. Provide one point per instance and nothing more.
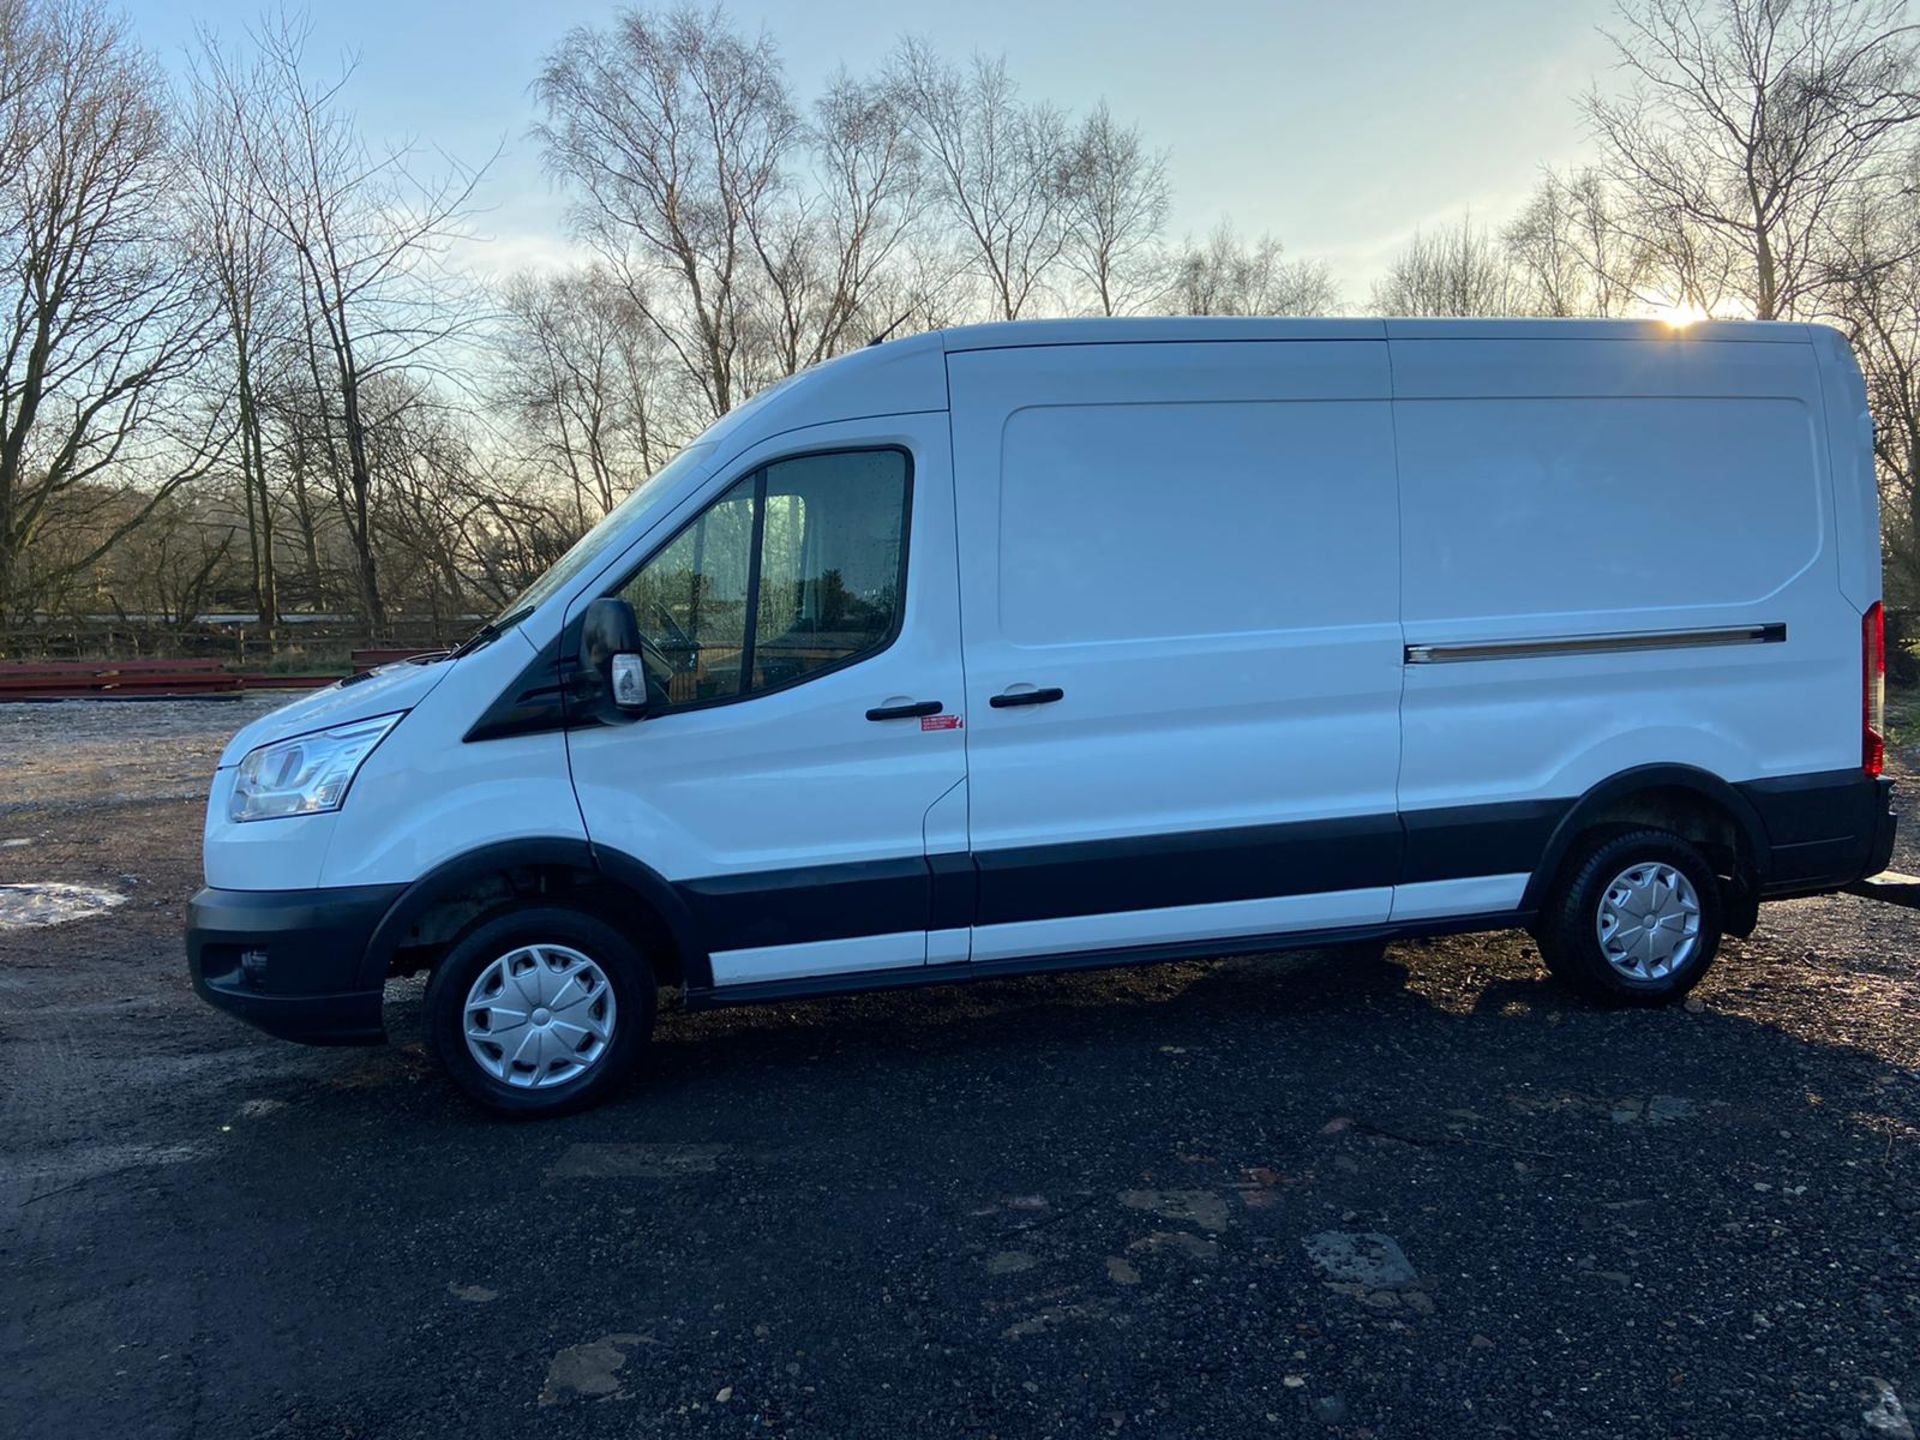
(1878, 303)
(293, 422)
(244, 265)
(826, 251)
(1456, 271)
(674, 129)
(1745, 126)
(1569, 253)
(1117, 199)
(164, 572)
(928, 288)
(431, 493)
(999, 167)
(519, 534)
(1226, 276)
(100, 319)
(366, 234)
(581, 373)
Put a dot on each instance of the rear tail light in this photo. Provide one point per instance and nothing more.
(1873, 689)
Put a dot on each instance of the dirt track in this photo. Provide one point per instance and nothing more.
(1134, 1203)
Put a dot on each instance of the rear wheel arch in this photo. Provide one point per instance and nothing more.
(1697, 805)
(469, 890)
(1636, 919)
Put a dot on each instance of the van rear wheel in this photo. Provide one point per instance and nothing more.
(1636, 920)
(540, 1011)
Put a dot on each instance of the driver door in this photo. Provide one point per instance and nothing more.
(802, 649)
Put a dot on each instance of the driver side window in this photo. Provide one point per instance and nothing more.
(691, 601)
(798, 568)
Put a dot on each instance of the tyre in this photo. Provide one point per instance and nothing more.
(1634, 920)
(539, 1011)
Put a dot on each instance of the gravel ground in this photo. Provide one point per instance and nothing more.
(1319, 1194)
(80, 754)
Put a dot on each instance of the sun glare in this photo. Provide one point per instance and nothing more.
(1682, 314)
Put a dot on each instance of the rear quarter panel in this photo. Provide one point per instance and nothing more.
(1564, 488)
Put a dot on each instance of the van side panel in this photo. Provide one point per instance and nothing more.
(1616, 554)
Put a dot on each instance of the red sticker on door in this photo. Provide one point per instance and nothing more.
(942, 722)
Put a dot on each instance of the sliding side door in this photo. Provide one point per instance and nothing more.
(1180, 607)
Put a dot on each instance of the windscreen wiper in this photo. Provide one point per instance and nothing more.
(490, 632)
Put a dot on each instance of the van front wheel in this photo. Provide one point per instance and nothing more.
(1635, 921)
(539, 1011)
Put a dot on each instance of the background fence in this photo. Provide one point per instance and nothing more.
(315, 643)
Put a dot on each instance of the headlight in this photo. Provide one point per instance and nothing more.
(307, 774)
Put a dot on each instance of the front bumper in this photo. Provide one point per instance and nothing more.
(289, 961)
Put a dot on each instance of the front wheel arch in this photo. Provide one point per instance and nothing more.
(442, 906)
(537, 930)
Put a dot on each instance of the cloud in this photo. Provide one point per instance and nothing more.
(507, 251)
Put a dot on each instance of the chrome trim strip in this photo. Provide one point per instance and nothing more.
(1550, 645)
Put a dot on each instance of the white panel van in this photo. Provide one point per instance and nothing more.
(1063, 644)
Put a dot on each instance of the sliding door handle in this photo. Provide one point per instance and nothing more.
(1007, 699)
(911, 710)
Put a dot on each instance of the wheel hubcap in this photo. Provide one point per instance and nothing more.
(1649, 921)
(539, 1016)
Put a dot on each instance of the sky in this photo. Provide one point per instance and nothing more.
(1341, 126)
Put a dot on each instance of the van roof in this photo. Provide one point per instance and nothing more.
(910, 374)
(1111, 331)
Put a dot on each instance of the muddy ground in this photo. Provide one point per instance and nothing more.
(1306, 1195)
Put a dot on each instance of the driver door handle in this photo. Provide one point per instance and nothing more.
(905, 712)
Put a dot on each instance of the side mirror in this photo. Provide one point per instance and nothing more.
(610, 655)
